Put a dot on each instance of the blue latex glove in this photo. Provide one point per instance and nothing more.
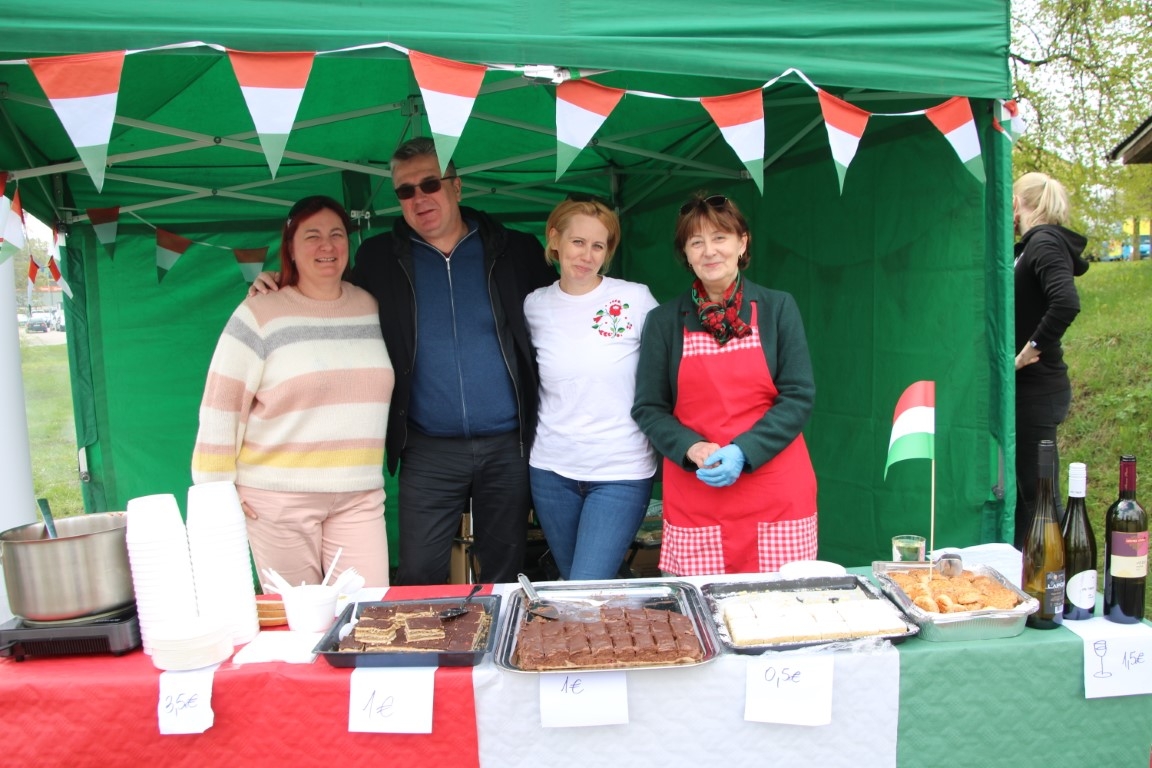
(729, 461)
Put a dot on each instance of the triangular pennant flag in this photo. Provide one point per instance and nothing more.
(449, 89)
(33, 271)
(54, 261)
(251, 261)
(582, 106)
(169, 248)
(14, 239)
(740, 117)
(1006, 118)
(954, 119)
(5, 204)
(845, 123)
(83, 90)
(104, 223)
(272, 84)
(913, 425)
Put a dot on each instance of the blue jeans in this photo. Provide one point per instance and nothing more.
(589, 525)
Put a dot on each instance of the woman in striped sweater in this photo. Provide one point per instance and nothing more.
(296, 407)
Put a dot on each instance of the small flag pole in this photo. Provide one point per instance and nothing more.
(932, 511)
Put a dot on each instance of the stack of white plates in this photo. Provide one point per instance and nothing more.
(161, 566)
(189, 644)
(218, 541)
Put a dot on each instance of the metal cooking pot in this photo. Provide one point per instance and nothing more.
(83, 572)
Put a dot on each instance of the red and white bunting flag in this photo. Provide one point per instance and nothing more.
(273, 85)
(83, 90)
(105, 221)
(740, 117)
(251, 261)
(449, 89)
(845, 123)
(582, 106)
(33, 272)
(54, 259)
(5, 204)
(169, 248)
(14, 239)
(954, 119)
(1006, 118)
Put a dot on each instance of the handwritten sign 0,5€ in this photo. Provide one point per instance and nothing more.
(583, 698)
(793, 689)
(391, 700)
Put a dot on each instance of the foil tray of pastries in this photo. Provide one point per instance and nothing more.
(607, 625)
(978, 604)
(410, 633)
(780, 614)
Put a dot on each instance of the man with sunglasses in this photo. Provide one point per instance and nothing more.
(451, 282)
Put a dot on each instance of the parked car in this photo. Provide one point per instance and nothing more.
(38, 325)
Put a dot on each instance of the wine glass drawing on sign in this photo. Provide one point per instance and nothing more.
(1101, 649)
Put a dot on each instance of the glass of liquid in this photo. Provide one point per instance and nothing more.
(908, 548)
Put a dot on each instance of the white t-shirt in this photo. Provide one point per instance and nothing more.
(587, 348)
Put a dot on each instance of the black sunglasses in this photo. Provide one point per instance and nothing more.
(428, 187)
(716, 201)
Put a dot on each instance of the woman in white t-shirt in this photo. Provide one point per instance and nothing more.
(591, 466)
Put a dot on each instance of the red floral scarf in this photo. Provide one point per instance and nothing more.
(722, 318)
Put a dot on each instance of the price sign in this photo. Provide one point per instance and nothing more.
(185, 704)
(383, 700)
(794, 689)
(1117, 657)
(570, 699)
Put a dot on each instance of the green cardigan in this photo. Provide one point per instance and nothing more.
(785, 349)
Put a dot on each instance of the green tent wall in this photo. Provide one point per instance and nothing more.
(904, 276)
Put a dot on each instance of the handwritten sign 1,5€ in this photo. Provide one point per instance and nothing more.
(793, 689)
(583, 698)
(391, 700)
(1117, 657)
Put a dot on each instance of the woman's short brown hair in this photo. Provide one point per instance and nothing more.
(715, 211)
(302, 210)
(562, 215)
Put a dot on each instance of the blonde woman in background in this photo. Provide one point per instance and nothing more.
(1048, 257)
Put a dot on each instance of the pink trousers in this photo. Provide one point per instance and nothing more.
(297, 534)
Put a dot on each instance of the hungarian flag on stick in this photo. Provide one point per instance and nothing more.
(845, 123)
(913, 425)
(105, 222)
(740, 118)
(582, 106)
(273, 85)
(954, 119)
(449, 89)
(83, 90)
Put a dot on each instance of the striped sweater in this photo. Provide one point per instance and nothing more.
(297, 396)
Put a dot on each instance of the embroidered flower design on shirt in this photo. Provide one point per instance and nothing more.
(611, 321)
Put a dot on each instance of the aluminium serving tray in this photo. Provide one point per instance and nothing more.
(581, 601)
(329, 643)
(716, 595)
(985, 624)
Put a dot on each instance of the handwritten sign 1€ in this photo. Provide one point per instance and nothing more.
(391, 700)
(583, 698)
(185, 704)
(793, 689)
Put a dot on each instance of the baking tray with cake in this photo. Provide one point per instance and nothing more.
(607, 625)
(979, 604)
(410, 633)
(756, 616)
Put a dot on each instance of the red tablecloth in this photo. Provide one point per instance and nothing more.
(101, 711)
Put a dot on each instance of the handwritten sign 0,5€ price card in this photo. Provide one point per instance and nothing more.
(793, 689)
(391, 700)
(583, 698)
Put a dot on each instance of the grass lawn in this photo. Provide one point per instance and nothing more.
(1108, 350)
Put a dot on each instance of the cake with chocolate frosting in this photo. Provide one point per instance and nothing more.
(409, 627)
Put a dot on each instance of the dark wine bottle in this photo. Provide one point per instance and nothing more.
(1125, 551)
(1043, 576)
(1079, 549)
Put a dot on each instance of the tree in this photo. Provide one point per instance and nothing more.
(1083, 70)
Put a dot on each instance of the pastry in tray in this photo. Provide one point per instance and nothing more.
(935, 593)
(620, 637)
(416, 627)
(770, 618)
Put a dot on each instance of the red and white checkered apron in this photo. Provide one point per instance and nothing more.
(767, 517)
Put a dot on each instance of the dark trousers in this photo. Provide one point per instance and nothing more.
(1036, 419)
(443, 477)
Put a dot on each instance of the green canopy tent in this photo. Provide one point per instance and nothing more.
(904, 275)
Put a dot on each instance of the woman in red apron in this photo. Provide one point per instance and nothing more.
(723, 390)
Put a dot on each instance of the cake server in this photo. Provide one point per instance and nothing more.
(536, 606)
(460, 610)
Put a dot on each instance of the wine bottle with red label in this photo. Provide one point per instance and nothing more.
(1125, 551)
